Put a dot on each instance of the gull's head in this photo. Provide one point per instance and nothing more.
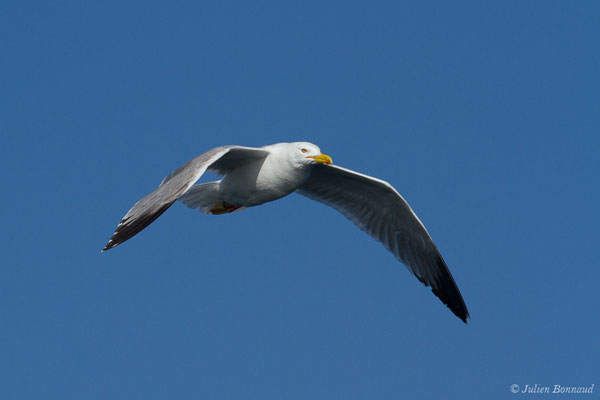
(308, 153)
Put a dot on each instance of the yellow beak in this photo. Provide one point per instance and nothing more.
(324, 158)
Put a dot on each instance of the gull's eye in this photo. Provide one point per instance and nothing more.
(304, 151)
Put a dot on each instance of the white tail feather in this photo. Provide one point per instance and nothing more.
(203, 196)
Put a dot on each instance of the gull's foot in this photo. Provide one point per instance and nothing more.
(223, 208)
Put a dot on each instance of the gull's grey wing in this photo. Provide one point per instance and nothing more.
(378, 209)
(145, 211)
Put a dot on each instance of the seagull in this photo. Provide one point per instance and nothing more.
(254, 176)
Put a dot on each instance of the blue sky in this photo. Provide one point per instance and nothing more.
(486, 117)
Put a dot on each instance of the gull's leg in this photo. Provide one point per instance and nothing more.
(223, 208)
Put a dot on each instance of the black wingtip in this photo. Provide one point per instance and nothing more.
(455, 304)
(112, 242)
(107, 247)
(460, 310)
(128, 227)
(447, 291)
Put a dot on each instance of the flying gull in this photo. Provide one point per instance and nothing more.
(253, 176)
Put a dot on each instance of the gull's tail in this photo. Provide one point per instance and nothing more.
(202, 197)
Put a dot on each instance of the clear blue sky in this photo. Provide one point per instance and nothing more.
(486, 117)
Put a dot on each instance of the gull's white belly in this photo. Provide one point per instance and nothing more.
(261, 182)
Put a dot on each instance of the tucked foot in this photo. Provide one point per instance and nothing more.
(223, 208)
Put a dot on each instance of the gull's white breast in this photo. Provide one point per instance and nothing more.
(262, 181)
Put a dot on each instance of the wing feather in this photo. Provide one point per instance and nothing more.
(145, 211)
(377, 208)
